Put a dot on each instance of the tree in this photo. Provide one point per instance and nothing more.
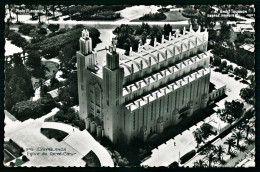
(200, 164)
(53, 10)
(211, 158)
(34, 59)
(230, 142)
(32, 14)
(243, 73)
(53, 27)
(230, 67)
(39, 16)
(206, 130)
(198, 136)
(54, 83)
(26, 29)
(237, 71)
(220, 151)
(247, 94)
(238, 136)
(42, 31)
(24, 110)
(225, 31)
(223, 65)
(248, 131)
(217, 61)
(167, 28)
(209, 148)
(234, 108)
(18, 85)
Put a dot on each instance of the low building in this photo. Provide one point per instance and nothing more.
(216, 89)
(242, 30)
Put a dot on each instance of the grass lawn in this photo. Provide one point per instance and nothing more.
(175, 16)
(172, 16)
(91, 160)
(52, 133)
(12, 150)
(7, 156)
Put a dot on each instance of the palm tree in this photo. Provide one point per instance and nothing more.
(39, 15)
(238, 136)
(248, 131)
(53, 10)
(230, 142)
(200, 163)
(210, 158)
(208, 149)
(220, 151)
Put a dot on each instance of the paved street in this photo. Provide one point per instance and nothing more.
(27, 135)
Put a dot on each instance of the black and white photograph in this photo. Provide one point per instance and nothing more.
(129, 85)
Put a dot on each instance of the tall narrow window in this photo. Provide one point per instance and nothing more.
(107, 79)
(183, 95)
(190, 91)
(205, 85)
(143, 116)
(152, 112)
(175, 99)
(160, 107)
(134, 121)
(124, 119)
(168, 103)
(198, 88)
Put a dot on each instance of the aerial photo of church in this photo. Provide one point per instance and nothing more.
(139, 95)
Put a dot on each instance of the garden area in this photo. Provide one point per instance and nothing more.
(21, 68)
(231, 149)
(13, 154)
(91, 160)
(163, 15)
(53, 133)
(24, 110)
(67, 115)
(95, 12)
(130, 36)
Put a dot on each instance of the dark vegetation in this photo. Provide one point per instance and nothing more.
(50, 47)
(68, 115)
(12, 150)
(53, 133)
(241, 57)
(95, 12)
(130, 36)
(91, 160)
(61, 43)
(153, 16)
(18, 85)
(24, 110)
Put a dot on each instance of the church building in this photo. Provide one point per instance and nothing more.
(139, 95)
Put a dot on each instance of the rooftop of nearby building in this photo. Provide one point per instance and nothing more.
(243, 27)
(248, 47)
(53, 93)
(217, 84)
